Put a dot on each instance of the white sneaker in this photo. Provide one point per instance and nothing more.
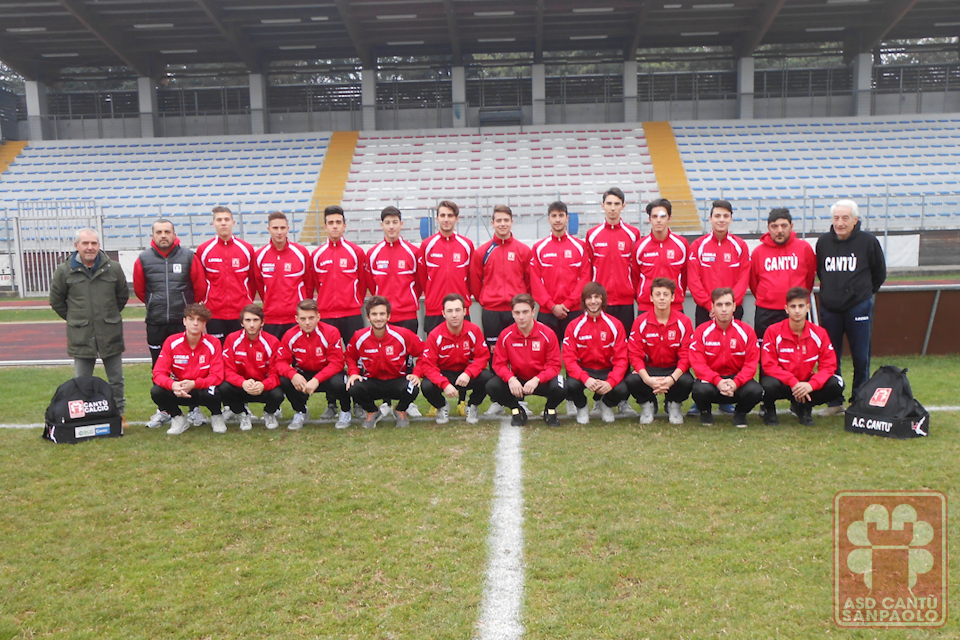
(246, 421)
(414, 412)
(525, 407)
(647, 413)
(219, 426)
(343, 421)
(626, 410)
(270, 421)
(495, 410)
(472, 417)
(196, 417)
(159, 419)
(228, 414)
(606, 413)
(583, 413)
(571, 409)
(178, 424)
(443, 414)
(674, 413)
(330, 413)
(385, 409)
(298, 419)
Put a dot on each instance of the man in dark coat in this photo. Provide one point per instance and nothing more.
(89, 291)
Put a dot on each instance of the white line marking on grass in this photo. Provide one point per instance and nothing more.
(503, 593)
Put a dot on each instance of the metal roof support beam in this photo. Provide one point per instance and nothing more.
(630, 46)
(758, 30)
(538, 35)
(240, 44)
(892, 14)
(454, 33)
(108, 36)
(367, 61)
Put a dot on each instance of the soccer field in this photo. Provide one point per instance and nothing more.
(627, 531)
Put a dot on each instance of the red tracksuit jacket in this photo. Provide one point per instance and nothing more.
(718, 263)
(500, 269)
(393, 274)
(777, 268)
(341, 278)
(443, 351)
(320, 350)
(716, 353)
(595, 343)
(283, 278)
(791, 360)
(227, 268)
(660, 346)
(526, 357)
(177, 362)
(245, 359)
(444, 267)
(559, 267)
(382, 358)
(656, 259)
(611, 249)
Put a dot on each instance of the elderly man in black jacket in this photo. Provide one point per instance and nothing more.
(851, 269)
(89, 291)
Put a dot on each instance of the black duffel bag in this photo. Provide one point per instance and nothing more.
(82, 409)
(885, 406)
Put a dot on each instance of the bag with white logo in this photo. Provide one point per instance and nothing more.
(82, 409)
(886, 407)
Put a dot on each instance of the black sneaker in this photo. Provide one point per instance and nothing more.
(550, 418)
(518, 417)
(739, 420)
(805, 415)
(706, 417)
(770, 416)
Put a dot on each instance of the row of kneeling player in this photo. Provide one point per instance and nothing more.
(715, 363)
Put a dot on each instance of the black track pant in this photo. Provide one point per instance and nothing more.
(774, 390)
(335, 387)
(554, 390)
(367, 392)
(167, 401)
(236, 397)
(576, 390)
(478, 386)
(746, 397)
(679, 392)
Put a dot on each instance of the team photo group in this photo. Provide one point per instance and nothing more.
(230, 325)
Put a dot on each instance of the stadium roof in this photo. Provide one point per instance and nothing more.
(41, 38)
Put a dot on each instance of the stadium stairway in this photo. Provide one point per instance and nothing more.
(331, 182)
(9, 152)
(671, 176)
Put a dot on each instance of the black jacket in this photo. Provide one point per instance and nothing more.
(851, 270)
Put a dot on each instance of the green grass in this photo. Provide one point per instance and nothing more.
(630, 532)
(319, 534)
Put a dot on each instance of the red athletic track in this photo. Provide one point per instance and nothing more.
(31, 341)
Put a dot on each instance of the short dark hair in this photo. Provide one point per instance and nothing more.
(780, 213)
(719, 292)
(663, 283)
(557, 206)
(199, 310)
(502, 208)
(662, 202)
(797, 292)
(450, 297)
(333, 210)
(613, 191)
(153, 227)
(277, 215)
(221, 209)
(721, 204)
(449, 204)
(593, 289)
(390, 211)
(308, 304)
(255, 309)
(376, 301)
(522, 298)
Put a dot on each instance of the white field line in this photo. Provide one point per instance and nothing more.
(503, 593)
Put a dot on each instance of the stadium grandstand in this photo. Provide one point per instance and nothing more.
(114, 115)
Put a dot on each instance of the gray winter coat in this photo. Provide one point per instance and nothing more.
(91, 304)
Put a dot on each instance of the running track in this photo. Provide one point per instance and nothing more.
(29, 342)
